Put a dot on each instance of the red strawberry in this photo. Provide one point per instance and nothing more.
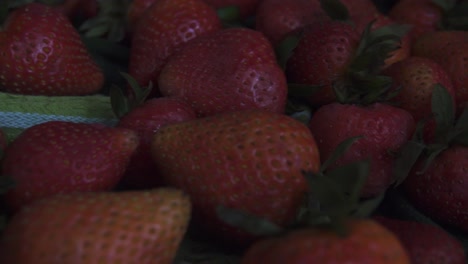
(440, 191)
(276, 18)
(42, 53)
(385, 129)
(166, 27)
(248, 160)
(416, 77)
(378, 21)
(366, 242)
(425, 243)
(135, 11)
(232, 69)
(423, 15)
(62, 157)
(430, 44)
(454, 59)
(146, 120)
(124, 227)
(322, 56)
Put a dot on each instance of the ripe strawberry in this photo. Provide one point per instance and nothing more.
(437, 182)
(424, 15)
(321, 57)
(122, 227)
(146, 120)
(439, 192)
(430, 44)
(416, 77)
(62, 157)
(425, 243)
(167, 25)
(232, 69)
(366, 242)
(249, 160)
(135, 11)
(42, 53)
(276, 18)
(380, 20)
(333, 60)
(385, 129)
(454, 59)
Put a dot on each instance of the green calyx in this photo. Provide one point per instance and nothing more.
(455, 14)
(110, 23)
(333, 197)
(363, 82)
(335, 10)
(122, 102)
(449, 130)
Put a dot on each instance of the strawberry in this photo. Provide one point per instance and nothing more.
(135, 10)
(423, 15)
(276, 18)
(454, 59)
(41, 53)
(416, 77)
(366, 242)
(166, 27)
(436, 183)
(106, 227)
(334, 226)
(249, 160)
(146, 119)
(430, 44)
(385, 129)
(79, 9)
(63, 157)
(3, 142)
(425, 243)
(380, 20)
(321, 57)
(229, 70)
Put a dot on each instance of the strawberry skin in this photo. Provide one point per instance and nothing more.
(41, 53)
(135, 10)
(367, 242)
(425, 243)
(167, 25)
(146, 120)
(62, 157)
(321, 57)
(229, 70)
(384, 128)
(430, 44)
(416, 78)
(440, 192)
(248, 160)
(121, 227)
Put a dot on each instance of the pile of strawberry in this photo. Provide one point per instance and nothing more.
(249, 131)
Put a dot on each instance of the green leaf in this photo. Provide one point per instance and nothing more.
(299, 111)
(228, 14)
(443, 110)
(6, 183)
(253, 224)
(350, 179)
(107, 48)
(139, 92)
(408, 155)
(335, 10)
(338, 152)
(119, 101)
(446, 5)
(285, 49)
(433, 151)
(368, 206)
(303, 90)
